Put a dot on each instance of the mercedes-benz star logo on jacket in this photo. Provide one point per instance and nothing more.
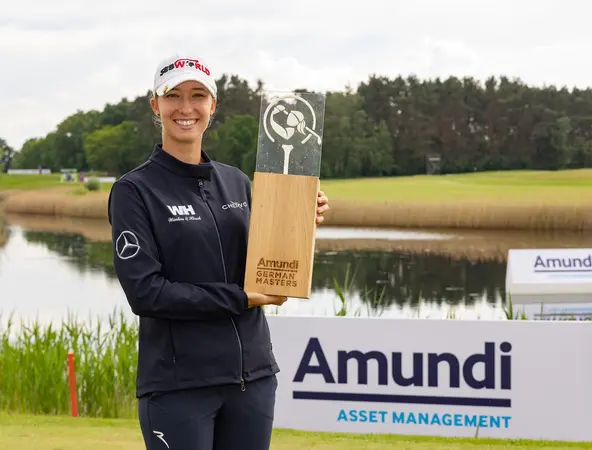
(127, 245)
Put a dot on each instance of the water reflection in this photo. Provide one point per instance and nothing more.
(84, 255)
(376, 283)
(401, 278)
(408, 279)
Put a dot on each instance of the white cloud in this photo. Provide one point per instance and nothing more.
(81, 55)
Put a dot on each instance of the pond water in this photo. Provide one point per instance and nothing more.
(50, 269)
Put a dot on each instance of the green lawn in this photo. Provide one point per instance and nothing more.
(31, 182)
(28, 181)
(532, 186)
(27, 432)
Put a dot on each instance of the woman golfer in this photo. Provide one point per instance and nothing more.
(206, 369)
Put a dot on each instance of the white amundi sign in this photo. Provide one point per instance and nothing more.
(515, 379)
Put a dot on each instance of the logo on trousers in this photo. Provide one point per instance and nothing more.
(160, 436)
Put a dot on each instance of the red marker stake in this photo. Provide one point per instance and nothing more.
(72, 374)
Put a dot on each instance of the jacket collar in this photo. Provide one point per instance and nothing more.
(168, 161)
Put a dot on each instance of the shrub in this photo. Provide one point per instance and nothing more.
(93, 184)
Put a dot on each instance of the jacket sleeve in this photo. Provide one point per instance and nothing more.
(139, 268)
(249, 189)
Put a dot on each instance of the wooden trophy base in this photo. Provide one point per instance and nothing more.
(281, 242)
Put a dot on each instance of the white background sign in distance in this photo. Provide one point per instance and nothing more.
(550, 271)
(551, 368)
(546, 277)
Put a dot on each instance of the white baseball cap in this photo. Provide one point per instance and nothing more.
(175, 70)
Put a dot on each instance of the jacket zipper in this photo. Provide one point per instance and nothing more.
(240, 345)
(174, 351)
(173, 344)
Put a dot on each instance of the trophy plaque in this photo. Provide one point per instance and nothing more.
(286, 182)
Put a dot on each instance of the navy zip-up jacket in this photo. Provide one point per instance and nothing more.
(180, 234)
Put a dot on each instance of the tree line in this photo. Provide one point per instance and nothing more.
(385, 127)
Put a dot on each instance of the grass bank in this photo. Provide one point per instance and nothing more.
(517, 200)
(50, 433)
(69, 201)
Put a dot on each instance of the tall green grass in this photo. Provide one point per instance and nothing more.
(373, 299)
(375, 303)
(34, 372)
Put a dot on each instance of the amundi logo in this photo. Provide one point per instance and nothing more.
(277, 264)
(277, 273)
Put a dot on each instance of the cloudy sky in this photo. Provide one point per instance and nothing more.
(63, 55)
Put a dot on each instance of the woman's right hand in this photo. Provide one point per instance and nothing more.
(256, 299)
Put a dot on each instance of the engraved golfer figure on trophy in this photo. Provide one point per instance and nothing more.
(290, 121)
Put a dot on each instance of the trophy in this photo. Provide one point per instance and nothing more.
(280, 251)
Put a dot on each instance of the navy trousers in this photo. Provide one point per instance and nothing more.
(211, 418)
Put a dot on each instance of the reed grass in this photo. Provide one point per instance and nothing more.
(372, 298)
(517, 200)
(461, 215)
(63, 201)
(33, 367)
(472, 245)
(3, 230)
(5, 194)
(482, 216)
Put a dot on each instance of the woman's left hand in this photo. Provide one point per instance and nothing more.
(322, 206)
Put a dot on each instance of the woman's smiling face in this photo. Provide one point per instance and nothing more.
(185, 111)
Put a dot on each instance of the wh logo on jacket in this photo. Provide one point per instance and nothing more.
(181, 210)
(186, 212)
